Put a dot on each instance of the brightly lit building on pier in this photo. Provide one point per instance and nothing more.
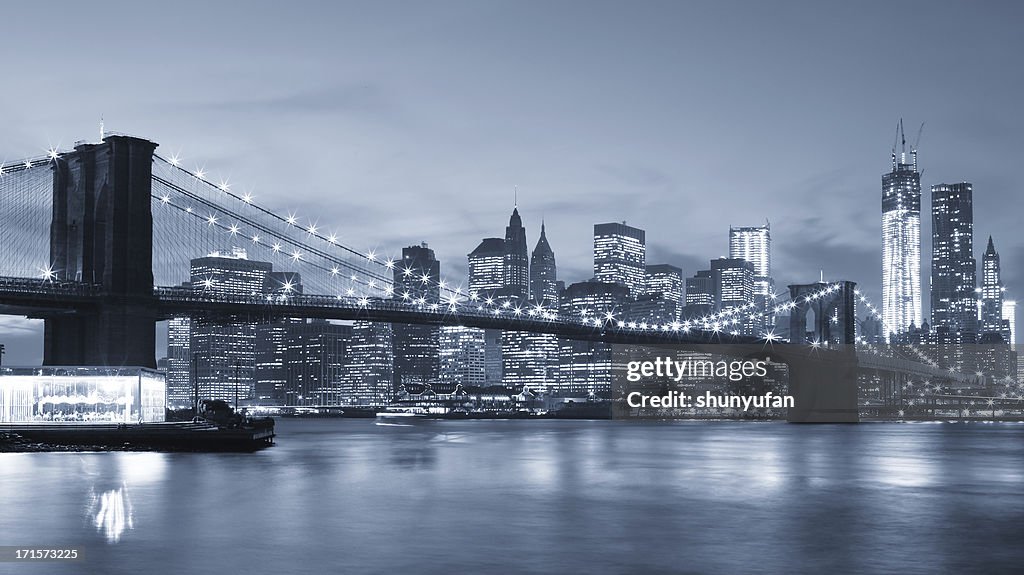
(81, 395)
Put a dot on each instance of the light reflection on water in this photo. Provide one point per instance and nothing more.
(537, 496)
(113, 513)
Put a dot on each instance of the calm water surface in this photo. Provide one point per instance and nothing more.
(352, 496)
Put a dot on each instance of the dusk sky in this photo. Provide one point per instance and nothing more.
(395, 123)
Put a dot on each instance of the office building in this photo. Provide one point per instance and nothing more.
(953, 281)
(486, 280)
(620, 253)
(487, 267)
(516, 260)
(180, 394)
(754, 244)
(543, 272)
(415, 347)
(664, 282)
(901, 241)
(462, 357)
(700, 295)
(585, 367)
(224, 348)
(992, 289)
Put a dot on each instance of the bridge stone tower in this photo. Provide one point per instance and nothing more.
(102, 233)
(835, 318)
(823, 380)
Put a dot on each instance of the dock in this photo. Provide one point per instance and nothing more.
(169, 436)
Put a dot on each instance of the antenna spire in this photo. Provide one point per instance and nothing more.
(103, 133)
(515, 196)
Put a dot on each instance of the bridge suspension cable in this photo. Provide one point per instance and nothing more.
(26, 207)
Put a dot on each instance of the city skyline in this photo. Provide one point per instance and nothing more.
(576, 153)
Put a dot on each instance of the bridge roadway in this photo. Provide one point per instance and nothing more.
(41, 298)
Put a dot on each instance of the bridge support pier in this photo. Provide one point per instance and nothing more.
(823, 384)
(102, 233)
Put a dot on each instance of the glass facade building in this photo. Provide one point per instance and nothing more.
(620, 256)
(754, 244)
(224, 348)
(901, 243)
(954, 269)
(414, 347)
(81, 394)
(585, 367)
(992, 289)
(665, 282)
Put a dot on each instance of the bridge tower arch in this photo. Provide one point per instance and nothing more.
(834, 314)
(102, 233)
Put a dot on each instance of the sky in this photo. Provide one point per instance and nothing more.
(396, 123)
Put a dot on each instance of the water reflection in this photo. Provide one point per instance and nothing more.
(559, 496)
(112, 513)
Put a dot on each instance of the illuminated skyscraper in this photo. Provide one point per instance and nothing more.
(486, 280)
(462, 356)
(224, 348)
(543, 273)
(620, 256)
(734, 282)
(531, 359)
(992, 289)
(487, 267)
(517, 259)
(901, 241)
(953, 283)
(368, 374)
(527, 359)
(272, 345)
(1010, 317)
(315, 359)
(662, 299)
(415, 347)
(179, 364)
(585, 367)
(754, 244)
(700, 290)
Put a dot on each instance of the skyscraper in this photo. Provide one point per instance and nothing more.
(415, 347)
(1010, 317)
(179, 363)
(992, 295)
(700, 295)
(901, 241)
(543, 273)
(487, 267)
(368, 376)
(953, 297)
(315, 361)
(620, 256)
(734, 282)
(585, 367)
(462, 356)
(224, 348)
(665, 282)
(531, 359)
(517, 259)
(272, 345)
(754, 244)
(486, 280)
(526, 359)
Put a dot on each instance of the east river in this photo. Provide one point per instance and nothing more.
(547, 496)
